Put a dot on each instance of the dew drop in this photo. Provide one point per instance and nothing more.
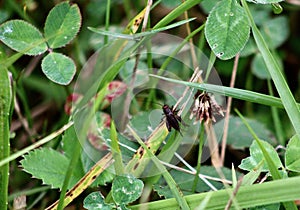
(7, 30)
(214, 46)
(65, 37)
(231, 14)
(225, 14)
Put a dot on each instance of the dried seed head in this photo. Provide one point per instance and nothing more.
(205, 107)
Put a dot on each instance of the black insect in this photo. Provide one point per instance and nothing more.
(172, 119)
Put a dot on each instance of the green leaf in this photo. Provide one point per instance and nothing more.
(145, 122)
(88, 158)
(95, 200)
(261, 14)
(238, 135)
(252, 175)
(62, 24)
(141, 74)
(275, 31)
(259, 67)
(264, 1)
(292, 154)
(126, 189)
(227, 29)
(22, 37)
(256, 157)
(207, 5)
(128, 147)
(249, 48)
(48, 165)
(58, 68)
(4, 15)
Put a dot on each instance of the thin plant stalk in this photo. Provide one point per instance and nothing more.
(275, 116)
(5, 103)
(227, 114)
(107, 19)
(201, 142)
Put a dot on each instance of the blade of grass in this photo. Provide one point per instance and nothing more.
(201, 142)
(85, 181)
(72, 165)
(170, 181)
(282, 87)
(275, 116)
(176, 12)
(35, 145)
(77, 147)
(138, 163)
(247, 196)
(139, 35)
(241, 94)
(115, 150)
(107, 16)
(5, 103)
(271, 165)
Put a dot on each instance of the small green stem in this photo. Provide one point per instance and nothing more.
(275, 115)
(70, 170)
(201, 142)
(5, 102)
(212, 59)
(107, 17)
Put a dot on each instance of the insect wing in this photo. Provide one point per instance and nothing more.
(168, 126)
(173, 122)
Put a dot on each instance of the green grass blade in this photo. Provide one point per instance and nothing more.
(115, 150)
(248, 196)
(169, 179)
(271, 165)
(176, 12)
(275, 116)
(139, 35)
(35, 145)
(282, 87)
(241, 94)
(5, 102)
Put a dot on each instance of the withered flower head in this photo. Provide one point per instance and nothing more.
(205, 108)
